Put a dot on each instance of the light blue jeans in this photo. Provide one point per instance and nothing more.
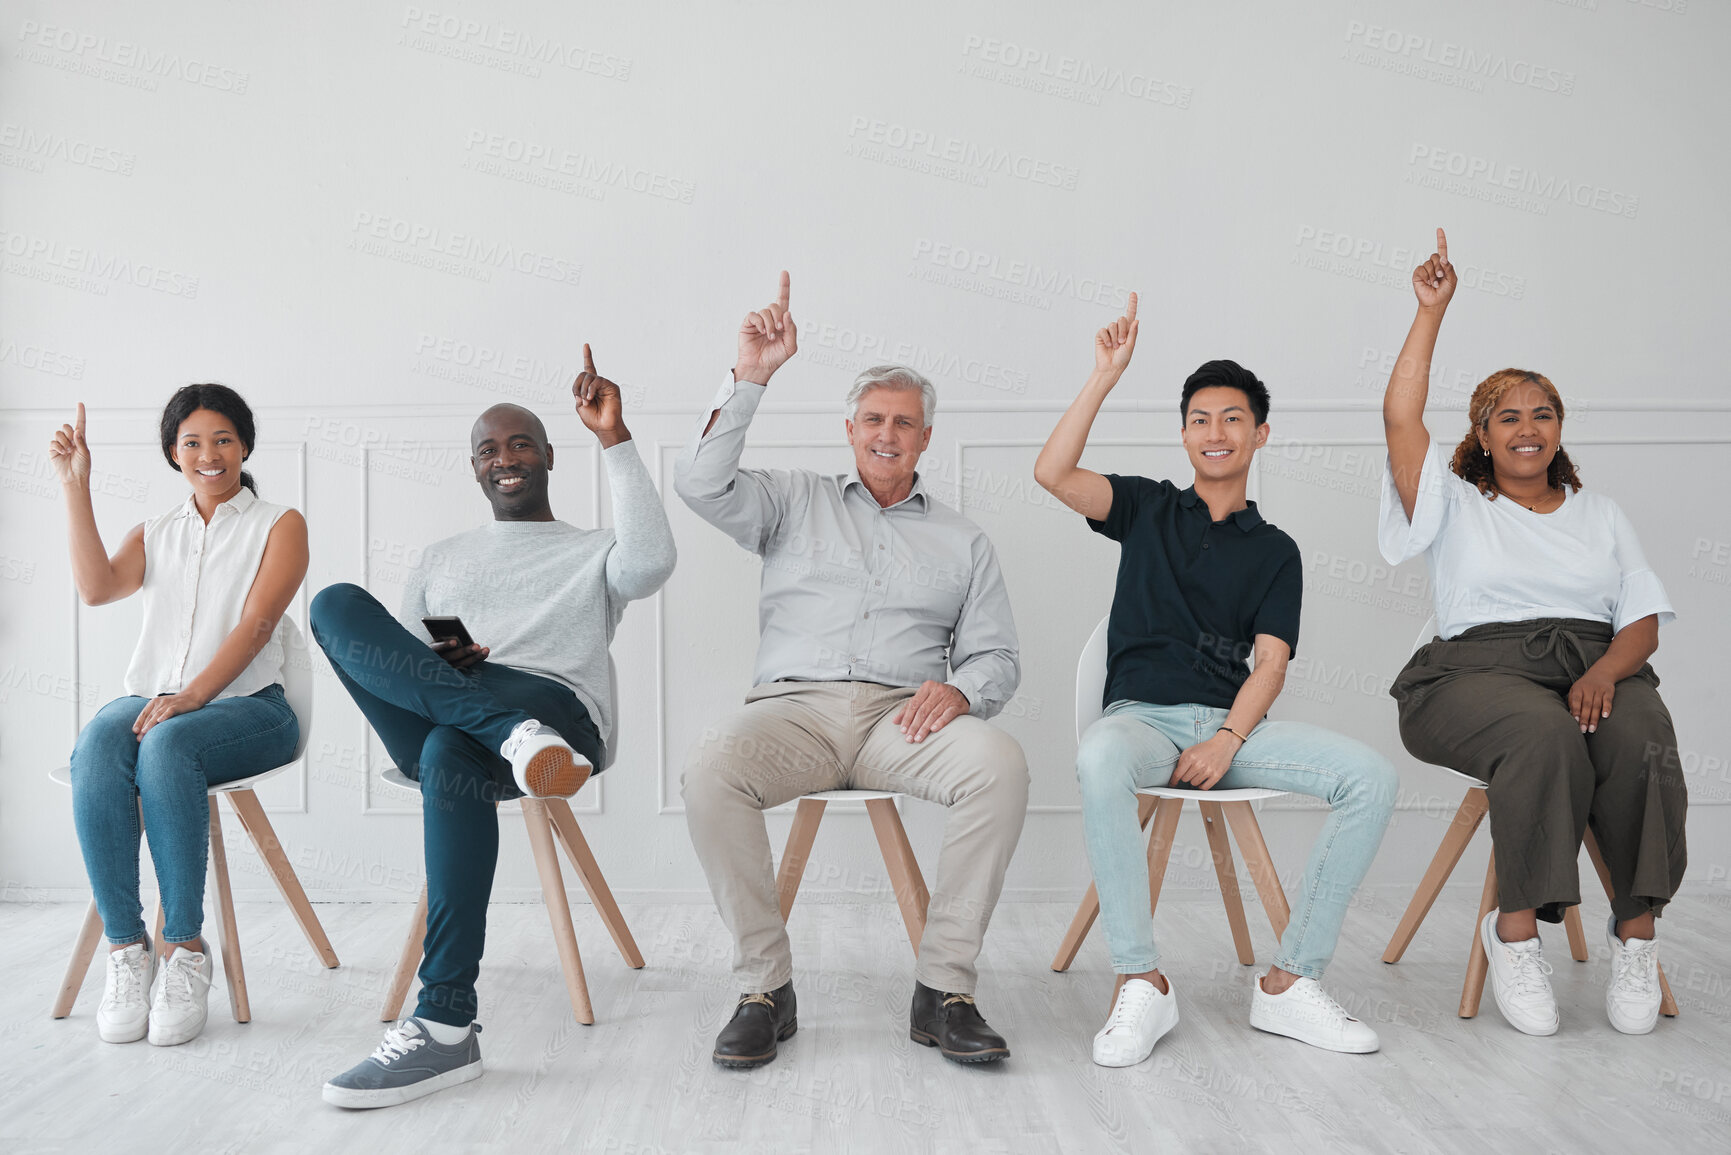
(168, 772)
(1137, 744)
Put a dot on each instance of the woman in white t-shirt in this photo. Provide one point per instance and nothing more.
(204, 699)
(1538, 682)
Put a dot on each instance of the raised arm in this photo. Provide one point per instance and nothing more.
(643, 553)
(100, 579)
(768, 338)
(1403, 402)
(1083, 490)
(280, 573)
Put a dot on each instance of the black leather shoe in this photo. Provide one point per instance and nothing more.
(759, 1022)
(952, 1023)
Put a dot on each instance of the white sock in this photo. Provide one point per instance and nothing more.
(444, 1033)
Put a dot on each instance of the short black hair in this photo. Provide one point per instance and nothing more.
(189, 399)
(1228, 374)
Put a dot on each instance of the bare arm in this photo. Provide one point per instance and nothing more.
(280, 573)
(1205, 763)
(1403, 402)
(1057, 469)
(100, 579)
(1590, 698)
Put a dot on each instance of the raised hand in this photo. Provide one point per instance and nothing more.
(1114, 344)
(1434, 281)
(599, 404)
(767, 338)
(70, 453)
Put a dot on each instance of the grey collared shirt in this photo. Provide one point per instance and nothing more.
(853, 591)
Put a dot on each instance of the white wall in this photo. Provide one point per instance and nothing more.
(302, 201)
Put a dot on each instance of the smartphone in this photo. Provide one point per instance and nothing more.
(448, 628)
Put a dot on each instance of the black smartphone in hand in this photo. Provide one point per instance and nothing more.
(448, 629)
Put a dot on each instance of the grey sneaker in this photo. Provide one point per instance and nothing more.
(407, 1064)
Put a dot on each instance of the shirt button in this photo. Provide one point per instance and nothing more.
(867, 614)
(1204, 545)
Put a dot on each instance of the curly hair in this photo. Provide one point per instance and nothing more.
(1471, 462)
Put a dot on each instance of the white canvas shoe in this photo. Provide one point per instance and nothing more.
(1306, 1012)
(1632, 996)
(543, 763)
(1520, 980)
(1140, 1017)
(180, 998)
(124, 1015)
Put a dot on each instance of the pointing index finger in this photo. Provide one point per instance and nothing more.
(786, 288)
(79, 427)
(588, 359)
(1442, 245)
(1130, 313)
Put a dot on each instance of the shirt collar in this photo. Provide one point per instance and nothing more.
(240, 503)
(919, 491)
(1246, 519)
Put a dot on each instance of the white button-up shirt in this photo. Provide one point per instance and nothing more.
(196, 579)
(853, 591)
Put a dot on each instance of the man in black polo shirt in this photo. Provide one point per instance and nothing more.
(1203, 583)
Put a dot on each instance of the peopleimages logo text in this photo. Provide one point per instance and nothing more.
(1484, 65)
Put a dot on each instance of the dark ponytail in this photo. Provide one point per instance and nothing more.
(188, 399)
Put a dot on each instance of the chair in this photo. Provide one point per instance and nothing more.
(1461, 829)
(547, 819)
(904, 869)
(298, 688)
(1162, 805)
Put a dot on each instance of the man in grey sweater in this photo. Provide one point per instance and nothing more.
(529, 712)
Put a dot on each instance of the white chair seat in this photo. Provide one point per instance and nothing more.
(1244, 794)
(853, 795)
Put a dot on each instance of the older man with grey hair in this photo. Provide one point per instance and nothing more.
(886, 643)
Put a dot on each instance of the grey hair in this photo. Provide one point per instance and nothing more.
(892, 377)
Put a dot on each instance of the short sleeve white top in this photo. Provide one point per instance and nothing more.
(196, 579)
(1498, 561)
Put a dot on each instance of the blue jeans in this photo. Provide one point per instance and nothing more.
(1137, 744)
(168, 774)
(443, 727)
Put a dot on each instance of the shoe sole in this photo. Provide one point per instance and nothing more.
(1486, 927)
(987, 1056)
(1284, 1032)
(747, 1062)
(123, 1034)
(391, 1096)
(178, 1038)
(553, 773)
(1143, 1057)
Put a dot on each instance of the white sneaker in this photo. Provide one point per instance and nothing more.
(543, 763)
(1632, 997)
(125, 1011)
(1140, 1017)
(1306, 1012)
(180, 998)
(1520, 979)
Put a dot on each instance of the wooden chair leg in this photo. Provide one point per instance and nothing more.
(1577, 936)
(1089, 910)
(594, 882)
(1260, 864)
(258, 828)
(1667, 1004)
(798, 852)
(903, 867)
(558, 908)
(79, 965)
(1166, 812)
(407, 962)
(1221, 849)
(1478, 963)
(1460, 832)
(233, 970)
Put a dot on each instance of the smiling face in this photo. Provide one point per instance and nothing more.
(509, 451)
(888, 433)
(1221, 434)
(1522, 432)
(209, 453)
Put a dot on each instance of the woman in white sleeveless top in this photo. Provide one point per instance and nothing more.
(204, 700)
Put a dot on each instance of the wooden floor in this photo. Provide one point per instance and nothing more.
(640, 1081)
